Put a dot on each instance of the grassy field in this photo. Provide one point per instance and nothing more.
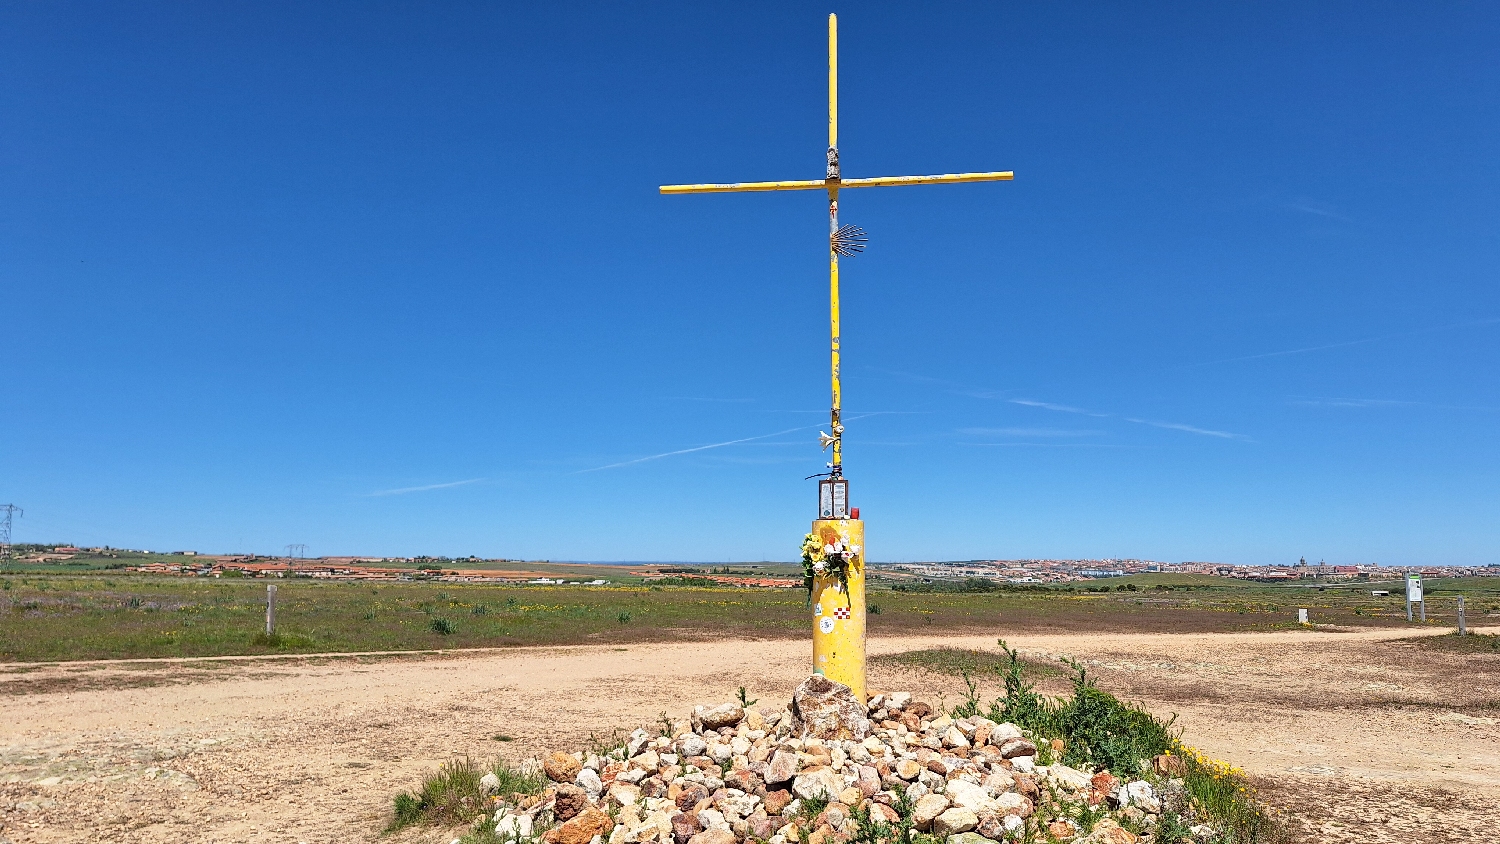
(49, 616)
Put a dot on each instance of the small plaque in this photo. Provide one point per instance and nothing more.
(833, 498)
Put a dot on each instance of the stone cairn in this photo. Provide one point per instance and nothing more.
(735, 775)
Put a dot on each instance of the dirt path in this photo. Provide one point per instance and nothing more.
(1364, 738)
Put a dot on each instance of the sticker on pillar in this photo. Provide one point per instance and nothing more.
(817, 609)
(825, 624)
(842, 613)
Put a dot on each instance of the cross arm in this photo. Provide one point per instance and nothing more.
(744, 187)
(944, 179)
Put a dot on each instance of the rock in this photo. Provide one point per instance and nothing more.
(744, 779)
(1013, 747)
(721, 716)
(868, 781)
(954, 737)
(1027, 787)
(1069, 778)
(782, 767)
(692, 794)
(581, 829)
(1062, 829)
(515, 827)
(588, 779)
(712, 818)
(982, 732)
(955, 820)
(717, 835)
(762, 827)
(927, 810)
(908, 769)
(1142, 795)
(561, 767)
(649, 761)
(1001, 732)
(684, 827)
(897, 700)
(1014, 824)
(970, 838)
(919, 709)
(692, 744)
(818, 782)
(570, 801)
(1024, 764)
(1169, 766)
(624, 794)
(736, 806)
(1011, 803)
(827, 710)
(1109, 831)
(990, 825)
(777, 800)
(882, 812)
(968, 795)
(489, 783)
(999, 782)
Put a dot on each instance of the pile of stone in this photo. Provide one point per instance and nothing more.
(735, 774)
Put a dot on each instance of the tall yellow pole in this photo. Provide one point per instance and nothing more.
(838, 612)
(833, 178)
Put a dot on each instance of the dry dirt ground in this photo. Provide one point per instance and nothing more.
(1356, 736)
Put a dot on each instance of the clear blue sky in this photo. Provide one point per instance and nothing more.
(391, 278)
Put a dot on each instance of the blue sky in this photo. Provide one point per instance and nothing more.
(395, 278)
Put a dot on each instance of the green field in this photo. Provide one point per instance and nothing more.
(71, 614)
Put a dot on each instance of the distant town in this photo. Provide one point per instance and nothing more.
(1063, 571)
(775, 575)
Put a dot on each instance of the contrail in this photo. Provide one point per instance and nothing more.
(407, 489)
(1417, 332)
(716, 445)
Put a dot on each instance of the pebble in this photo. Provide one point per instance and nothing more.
(738, 775)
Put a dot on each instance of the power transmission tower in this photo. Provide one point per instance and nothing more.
(6, 512)
(295, 551)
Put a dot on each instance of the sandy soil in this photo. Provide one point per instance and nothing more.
(1358, 737)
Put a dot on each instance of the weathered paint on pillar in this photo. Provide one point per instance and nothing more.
(839, 617)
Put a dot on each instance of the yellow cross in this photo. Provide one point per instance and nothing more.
(846, 240)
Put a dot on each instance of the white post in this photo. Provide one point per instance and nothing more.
(1301, 616)
(1462, 630)
(270, 608)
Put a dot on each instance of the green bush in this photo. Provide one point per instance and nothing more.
(452, 795)
(1099, 731)
(442, 626)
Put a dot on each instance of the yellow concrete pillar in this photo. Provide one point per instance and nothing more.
(839, 616)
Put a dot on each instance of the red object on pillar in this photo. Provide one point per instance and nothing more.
(854, 512)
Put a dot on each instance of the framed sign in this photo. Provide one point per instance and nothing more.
(1414, 588)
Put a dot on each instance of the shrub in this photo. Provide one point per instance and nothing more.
(623, 618)
(442, 626)
(452, 795)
